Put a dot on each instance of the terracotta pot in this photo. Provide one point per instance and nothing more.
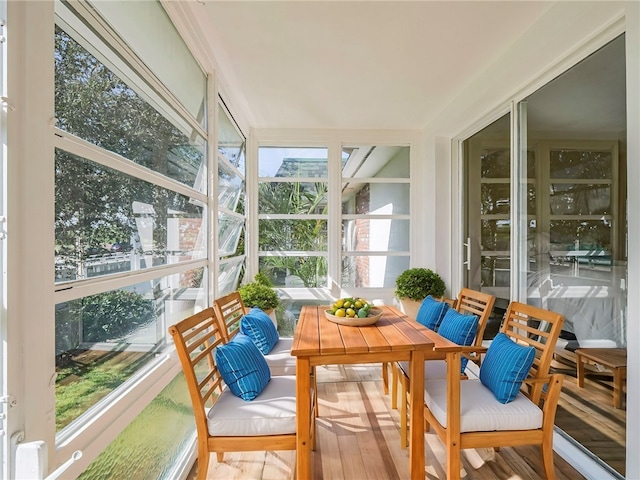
(272, 315)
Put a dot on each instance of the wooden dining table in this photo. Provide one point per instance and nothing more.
(394, 337)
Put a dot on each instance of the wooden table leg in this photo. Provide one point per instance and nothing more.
(303, 419)
(580, 370)
(619, 374)
(416, 416)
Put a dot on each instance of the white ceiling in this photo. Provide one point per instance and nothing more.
(356, 64)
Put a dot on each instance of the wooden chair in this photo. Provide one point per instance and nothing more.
(229, 310)
(394, 372)
(469, 302)
(467, 414)
(224, 422)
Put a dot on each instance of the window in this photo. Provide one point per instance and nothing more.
(375, 215)
(131, 221)
(293, 216)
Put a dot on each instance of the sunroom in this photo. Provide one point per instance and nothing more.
(158, 154)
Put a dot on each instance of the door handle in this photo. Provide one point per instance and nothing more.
(467, 245)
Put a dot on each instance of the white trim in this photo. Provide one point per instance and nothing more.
(72, 144)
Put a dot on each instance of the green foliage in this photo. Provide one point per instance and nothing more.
(418, 283)
(259, 293)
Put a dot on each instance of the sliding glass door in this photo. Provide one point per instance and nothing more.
(546, 224)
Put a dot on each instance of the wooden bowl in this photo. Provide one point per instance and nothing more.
(373, 317)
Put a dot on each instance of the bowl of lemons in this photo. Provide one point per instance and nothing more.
(356, 312)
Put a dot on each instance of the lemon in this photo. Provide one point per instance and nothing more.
(350, 312)
(358, 304)
(338, 303)
(346, 304)
(341, 312)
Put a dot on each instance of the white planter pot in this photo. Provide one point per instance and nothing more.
(410, 307)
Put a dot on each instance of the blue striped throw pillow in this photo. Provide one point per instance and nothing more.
(258, 326)
(505, 365)
(431, 312)
(243, 367)
(460, 329)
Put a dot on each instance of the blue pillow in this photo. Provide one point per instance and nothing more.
(243, 367)
(431, 312)
(505, 365)
(258, 326)
(460, 329)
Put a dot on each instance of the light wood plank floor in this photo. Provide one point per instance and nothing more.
(358, 438)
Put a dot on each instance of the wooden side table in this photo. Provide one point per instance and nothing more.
(613, 358)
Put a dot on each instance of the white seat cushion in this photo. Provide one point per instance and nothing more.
(273, 412)
(432, 368)
(280, 360)
(480, 411)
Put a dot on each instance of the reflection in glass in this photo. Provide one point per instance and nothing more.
(108, 222)
(292, 197)
(230, 188)
(574, 164)
(295, 271)
(379, 161)
(580, 199)
(375, 198)
(300, 235)
(372, 271)
(92, 103)
(230, 143)
(292, 162)
(379, 235)
(580, 235)
(166, 424)
(228, 275)
(104, 339)
(230, 229)
(495, 198)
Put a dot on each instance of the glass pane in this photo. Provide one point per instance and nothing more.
(228, 276)
(229, 234)
(372, 271)
(375, 198)
(365, 234)
(495, 235)
(230, 188)
(108, 222)
(94, 104)
(295, 271)
(230, 143)
(579, 199)
(495, 163)
(167, 55)
(580, 235)
(104, 339)
(495, 271)
(367, 161)
(292, 197)
(292, 162)
(495, 198)
(585, 164)
(300, 235)
(166, 424)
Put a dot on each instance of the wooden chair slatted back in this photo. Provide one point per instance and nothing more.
(196, 339)
(477, 303)
(229, 310)
(537, 328)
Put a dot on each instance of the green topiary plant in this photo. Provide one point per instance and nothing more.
(259, 293)
(417, 283)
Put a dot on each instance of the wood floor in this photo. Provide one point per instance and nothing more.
(587, 415)
(358, 438)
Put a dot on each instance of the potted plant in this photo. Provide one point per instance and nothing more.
(260, 293)
(414, 285)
